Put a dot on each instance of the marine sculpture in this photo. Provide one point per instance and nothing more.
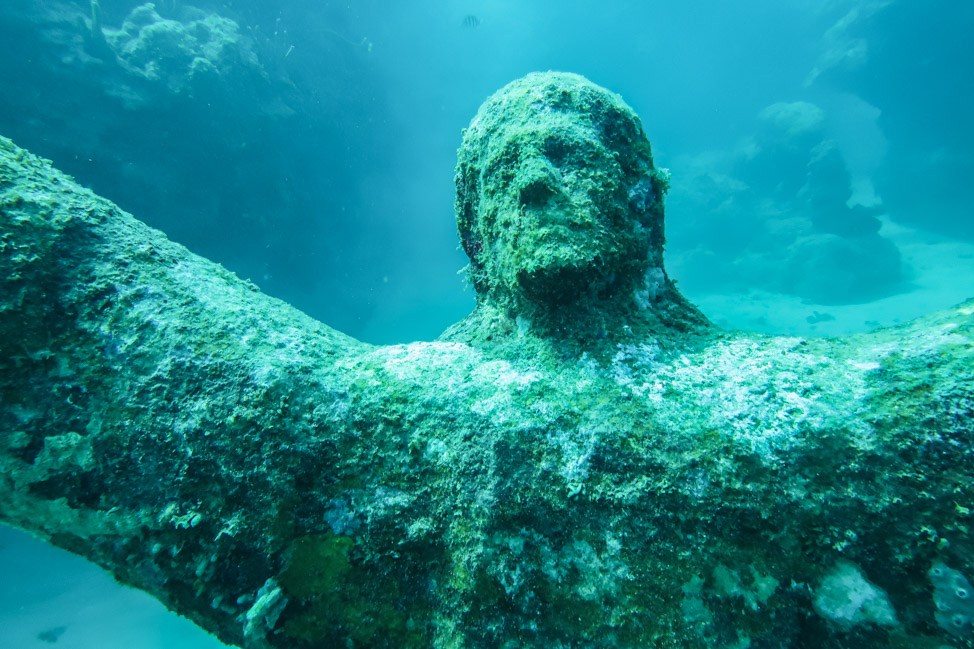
(584, 461)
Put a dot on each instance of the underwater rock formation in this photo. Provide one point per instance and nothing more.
(775, 215)
(176, 53)
(135, 100)
(582, 462)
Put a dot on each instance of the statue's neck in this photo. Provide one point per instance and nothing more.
(569, 331)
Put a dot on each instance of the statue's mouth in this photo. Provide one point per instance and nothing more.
(562, 282)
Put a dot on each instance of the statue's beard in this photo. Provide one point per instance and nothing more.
(562, 284)
(553, 257)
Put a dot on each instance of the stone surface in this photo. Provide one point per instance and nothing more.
(564, 468)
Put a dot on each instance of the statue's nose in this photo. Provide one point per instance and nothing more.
(539, 183)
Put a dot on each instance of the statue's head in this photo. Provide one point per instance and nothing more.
(558, 200)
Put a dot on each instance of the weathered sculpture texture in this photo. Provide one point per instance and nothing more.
(582, 462)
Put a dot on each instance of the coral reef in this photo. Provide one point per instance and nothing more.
(954, 599)
(178, 53)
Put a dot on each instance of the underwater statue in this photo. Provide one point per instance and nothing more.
(584, 461)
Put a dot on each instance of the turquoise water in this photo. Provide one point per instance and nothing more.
(820, 156)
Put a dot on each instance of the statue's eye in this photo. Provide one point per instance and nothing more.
(556, 150)
(500, 168)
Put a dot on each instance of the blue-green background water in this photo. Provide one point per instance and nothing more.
(821, 153)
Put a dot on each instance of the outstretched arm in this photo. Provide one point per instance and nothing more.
(152, 404)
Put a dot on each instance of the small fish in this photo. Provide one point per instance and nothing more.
(51, 635)
(470, 21)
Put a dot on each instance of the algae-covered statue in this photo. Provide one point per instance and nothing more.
(584, 461)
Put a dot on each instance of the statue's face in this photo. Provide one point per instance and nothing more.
(556, 220)
(557, 196)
